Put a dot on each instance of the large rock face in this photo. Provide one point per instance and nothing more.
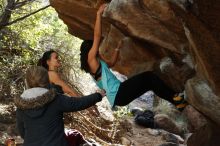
(178, 39)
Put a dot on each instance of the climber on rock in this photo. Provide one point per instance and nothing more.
(121, 93)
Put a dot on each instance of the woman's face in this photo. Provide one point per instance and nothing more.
(54, 60)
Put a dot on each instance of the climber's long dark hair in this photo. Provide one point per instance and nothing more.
(43, 60)
(84, 49)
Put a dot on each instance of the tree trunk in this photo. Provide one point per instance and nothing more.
(7, 14)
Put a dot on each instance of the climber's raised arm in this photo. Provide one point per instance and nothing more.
(92, 56)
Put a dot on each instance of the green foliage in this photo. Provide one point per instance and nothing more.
(122, 112)
(24, 42)
(2, 6)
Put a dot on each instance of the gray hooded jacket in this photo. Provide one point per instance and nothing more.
(40, 115)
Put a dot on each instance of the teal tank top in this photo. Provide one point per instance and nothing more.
(108, 82)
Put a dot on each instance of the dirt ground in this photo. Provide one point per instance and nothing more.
(102, 127)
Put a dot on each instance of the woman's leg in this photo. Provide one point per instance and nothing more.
(141, 83)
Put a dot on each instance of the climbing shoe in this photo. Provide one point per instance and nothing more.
(181, 106)
(180, 101)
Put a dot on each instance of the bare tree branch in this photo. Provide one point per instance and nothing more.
(19, 19)
(20, 4)
(7, 14)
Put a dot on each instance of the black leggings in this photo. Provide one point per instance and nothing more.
(141, 83)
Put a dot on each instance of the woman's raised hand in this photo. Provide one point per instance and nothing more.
(101, 9)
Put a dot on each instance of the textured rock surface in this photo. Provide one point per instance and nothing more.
(195, 119)
(207, 135)
(164, 122)
(139, 136)
(201, 96)
(185, 31)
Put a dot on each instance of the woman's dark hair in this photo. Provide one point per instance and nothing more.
(84, 49)
(43, 60)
